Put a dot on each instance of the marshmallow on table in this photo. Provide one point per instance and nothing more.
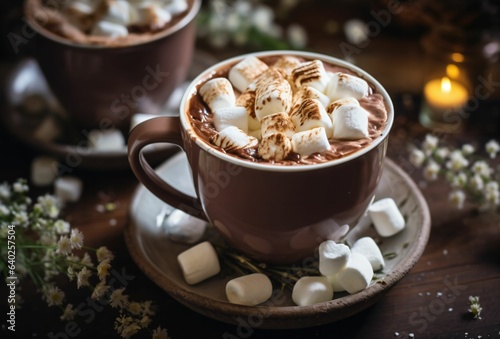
(109, 29)
(232, 138)
(184, 228)
(277, 123)
(311, 73)
(231, 116)
(343, 85)
(247, 100)
(356, 275)
(332, 257)
(367, 247)
(199, 263)
(308, 92)
(106, 140)
(218, 93)
(275, 147)
(43, 170)
(311, 114)
(274, 97)
(310, 141)
(246, 71)
(386, 217)
(311, 290)
(68, 188)
(350, 122)
(249, 290)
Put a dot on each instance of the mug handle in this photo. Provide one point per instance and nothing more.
(151, 131)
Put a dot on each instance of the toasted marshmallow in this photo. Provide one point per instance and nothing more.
(277, 123)
(332, 257)
(256, 134)
(149, 15)
(247, 100)
(43, 170)
(356, 275)
(175, 7)
(249, 290)
(343, 85)
(350, 122)
(367, 247)
(311, 290)
(311, 73)
(68, 188)
(287, 63)
(347, 101)
(109, 29)
(199, 263)
(275, 147)
(310, 141)
(274, 97)
(232, 138)
(386, 217)
(217, 93)
(308, 92)
(231, 116)
(118, 12)
(269, 75)
(246, 71)
(311, 114)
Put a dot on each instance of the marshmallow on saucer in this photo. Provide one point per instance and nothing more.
(218, 93)
(311, 114)
(275, 147)
(247, 100)
(350, 122)
(230, 116)
(199, 262)
(343, 85)
(310, 141)
(274, 97)
(277, 123)
(249, 290)
(246, 71)
(367, 247)
(311, 290)
(386, 217)
(356, 275)
(232, 138)
(332, 257)
(184, 228)
(68, 188)
(311, 73)
(43, 170)
(106, 140)
(109, 29)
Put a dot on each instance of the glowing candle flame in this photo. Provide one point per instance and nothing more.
(445, 85)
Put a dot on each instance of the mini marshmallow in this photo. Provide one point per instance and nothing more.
(347, 101)
(231, 116)
(246, 71)
(199, 263)
(335, 283)
(175, 7)
(277, 123)
(367, 247)
(311, 73)
(350, 122)
(311, 114)
(150, 15)
(343, 85)
(275, 147)
(81, 8)
(68, 188)
(308, 92)
(247, 100)
(184, 228)
(356, 275)
(274, 97)
(109, 29)
(386, 217)
(249, 290)
(106, 140)
(269, 75)
(311, 290)
(232, 138)
(287, 63)
(118, 12)
(43, 170)
(310, 141)
(332, 257)
(218, 93)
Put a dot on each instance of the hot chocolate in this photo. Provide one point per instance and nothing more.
(287, 110)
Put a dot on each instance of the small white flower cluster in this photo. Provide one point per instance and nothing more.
(244, 22)
(469, 175)
(46, 248)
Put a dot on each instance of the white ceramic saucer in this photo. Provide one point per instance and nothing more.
(156, 255)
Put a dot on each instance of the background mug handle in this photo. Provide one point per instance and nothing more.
(155, 130)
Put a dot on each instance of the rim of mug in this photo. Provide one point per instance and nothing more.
(40, 29)
(190, 90)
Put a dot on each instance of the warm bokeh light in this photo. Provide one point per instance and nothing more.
(452, 71)
(445, 85)
(457, 57)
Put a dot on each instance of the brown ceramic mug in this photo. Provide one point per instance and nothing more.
(274, 214)
(101, 86)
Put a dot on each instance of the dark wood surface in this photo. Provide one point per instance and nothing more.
(462, 257)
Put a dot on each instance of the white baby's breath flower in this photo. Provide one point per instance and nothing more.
(457, 199)
(147, 308)
(482, 168)
(64, 245)
(457, 161)
(54, 295)
(417, 157)
(118, 299)
(492, 186)
(297, 36)
(130, 330)
(49, 205)
(87, 260)
(20, 218)
(160, 333)
(5, 191)
(441, 153)
(83, 277)
(431, 171)
(48, 239)
(459, 180)
(69, 313)
(103, 269)
(20, 187)
(4, 210)
(99, 290)
(468, 149)
(103, 253)
(76, 238)
(492, 147)
(61, 226)
(476, 183)
(135, 308)
(430, 144)
(145, 321)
